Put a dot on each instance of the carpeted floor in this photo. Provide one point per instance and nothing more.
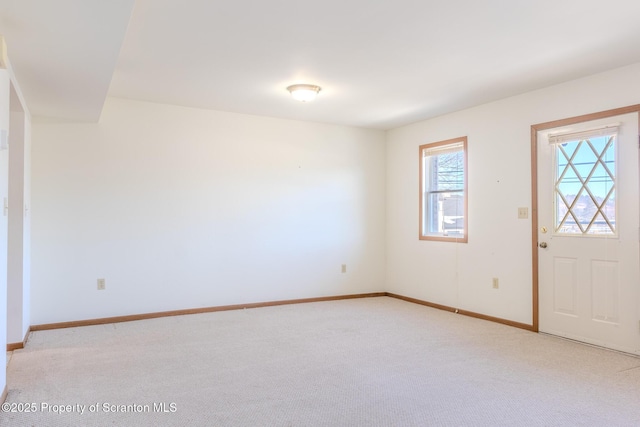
(365, 362)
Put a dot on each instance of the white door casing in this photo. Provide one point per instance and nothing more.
(589, 271)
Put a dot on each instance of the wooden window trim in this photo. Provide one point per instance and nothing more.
(421, 236)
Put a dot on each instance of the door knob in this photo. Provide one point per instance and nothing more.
(543, 245)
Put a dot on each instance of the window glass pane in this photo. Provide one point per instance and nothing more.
(609, 208)
(434, 213)
(585, 186)
(570, 226)
(448, 171)
(600, 225)
(443, 199)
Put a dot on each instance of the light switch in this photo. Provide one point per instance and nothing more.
(523, 213)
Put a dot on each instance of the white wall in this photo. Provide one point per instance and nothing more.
(14, 235)
(499, 144)
(26, 231)
(19, 249)
(181, 208)
(5, 84)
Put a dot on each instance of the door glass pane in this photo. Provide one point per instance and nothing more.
(569, 226)
(585, 187)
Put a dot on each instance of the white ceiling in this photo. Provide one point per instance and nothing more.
(381, 63)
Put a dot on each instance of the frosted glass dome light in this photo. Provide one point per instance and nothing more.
(304, 93)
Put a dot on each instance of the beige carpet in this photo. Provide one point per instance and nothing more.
(366, 362)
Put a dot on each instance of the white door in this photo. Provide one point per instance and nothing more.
(588, 232)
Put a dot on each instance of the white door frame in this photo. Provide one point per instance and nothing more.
(534, 187)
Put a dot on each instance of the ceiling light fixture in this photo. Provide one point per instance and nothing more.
(304, 93)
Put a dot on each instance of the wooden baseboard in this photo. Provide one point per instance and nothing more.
(3, 396)
(144, 316)
(463, 312)
(19, 345)
(15, 346)
(133, 317)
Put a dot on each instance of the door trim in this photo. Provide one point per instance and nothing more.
(534, 186)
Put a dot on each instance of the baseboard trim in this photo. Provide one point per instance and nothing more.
(3, 396)
(19, 345)
(15, 346)
(463, 312)
(134, 317)
(144, 316)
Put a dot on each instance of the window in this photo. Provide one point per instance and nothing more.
(585, 182)
(443, 190)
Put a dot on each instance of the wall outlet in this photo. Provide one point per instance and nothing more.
(101, 284)
(344, 268)
(496, 283)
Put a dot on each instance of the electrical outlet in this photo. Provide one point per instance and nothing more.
(344, 268)
(101, 284)
(496, 284)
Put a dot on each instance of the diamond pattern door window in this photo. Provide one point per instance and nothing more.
(585, 186)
